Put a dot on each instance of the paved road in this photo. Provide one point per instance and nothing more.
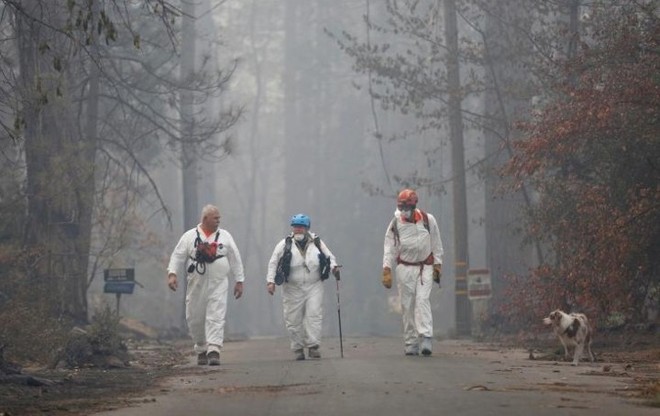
(259, 377)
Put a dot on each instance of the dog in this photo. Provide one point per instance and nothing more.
(572, 329)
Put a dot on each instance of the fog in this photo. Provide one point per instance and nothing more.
(310, 141)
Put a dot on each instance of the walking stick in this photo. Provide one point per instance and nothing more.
(341, 343)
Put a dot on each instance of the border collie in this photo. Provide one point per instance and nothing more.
(572, 329)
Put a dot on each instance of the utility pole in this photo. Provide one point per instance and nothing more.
(189, 166)
(463, 307)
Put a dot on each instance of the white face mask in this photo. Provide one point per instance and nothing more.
(299, 237)
(406, 213)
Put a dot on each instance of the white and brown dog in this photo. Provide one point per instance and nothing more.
(572, 329)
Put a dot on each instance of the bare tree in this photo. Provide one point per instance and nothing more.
(96, 97)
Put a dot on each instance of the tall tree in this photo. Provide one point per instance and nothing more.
(459, 198)
(86, 73)
(592, 155)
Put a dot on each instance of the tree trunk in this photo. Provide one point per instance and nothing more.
(463, 307)
(506, 252)
(59, 180)
(191, 207)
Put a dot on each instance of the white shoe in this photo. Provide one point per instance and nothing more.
(314, 352)
(411, 349)
(427, 346)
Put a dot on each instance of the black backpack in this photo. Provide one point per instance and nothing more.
(284, 264)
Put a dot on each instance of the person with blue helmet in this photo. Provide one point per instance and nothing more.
(299, 263)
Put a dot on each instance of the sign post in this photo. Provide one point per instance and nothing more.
(479, 292)
(119, 281)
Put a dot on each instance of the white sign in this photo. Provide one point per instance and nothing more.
(479, 287)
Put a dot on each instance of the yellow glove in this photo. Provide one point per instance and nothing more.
(437, 272)
(387, 277)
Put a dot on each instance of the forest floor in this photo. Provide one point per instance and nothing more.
(82, 391)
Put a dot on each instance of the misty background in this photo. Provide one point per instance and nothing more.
(120, 120)
(310, 141)
(305, 144)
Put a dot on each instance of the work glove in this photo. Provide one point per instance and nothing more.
(437, 273)
(387, 277)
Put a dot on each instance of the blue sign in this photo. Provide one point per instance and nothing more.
(119, 287)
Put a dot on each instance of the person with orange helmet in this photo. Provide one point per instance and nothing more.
(414, 248)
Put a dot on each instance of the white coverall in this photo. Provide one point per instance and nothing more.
(206, 294)
(302, 293)
(414, 282)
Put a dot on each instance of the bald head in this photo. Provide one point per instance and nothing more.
(210, 217)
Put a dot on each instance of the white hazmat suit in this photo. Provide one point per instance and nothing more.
(206, 294)
(302, 293)
(408, 253)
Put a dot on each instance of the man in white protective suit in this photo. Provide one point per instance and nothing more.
(413, 246)
(300, 263)
(209, 255)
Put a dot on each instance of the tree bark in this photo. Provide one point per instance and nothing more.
(463, 307)
(60, 170)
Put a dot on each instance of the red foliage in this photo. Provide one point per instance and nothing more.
(593, 156)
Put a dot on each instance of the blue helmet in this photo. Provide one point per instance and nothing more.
(300, 220)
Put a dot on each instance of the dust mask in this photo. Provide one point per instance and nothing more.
(299, 237)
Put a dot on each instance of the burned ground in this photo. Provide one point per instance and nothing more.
(87, 390)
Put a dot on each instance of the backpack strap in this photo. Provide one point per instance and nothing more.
(324, 260)
(284, 263)
(317, 243)
(395, 231)
(425, 219)
(199, 237)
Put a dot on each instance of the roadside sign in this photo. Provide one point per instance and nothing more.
(119, 275)
(119, 281)
(479, 286)
(119, 287)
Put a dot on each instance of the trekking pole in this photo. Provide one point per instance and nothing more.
(341, 343)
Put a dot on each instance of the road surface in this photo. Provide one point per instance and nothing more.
(260, 377)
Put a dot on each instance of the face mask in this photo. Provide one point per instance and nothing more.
(299, 237)
(406, 214)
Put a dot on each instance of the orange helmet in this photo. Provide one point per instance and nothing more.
(407, 197)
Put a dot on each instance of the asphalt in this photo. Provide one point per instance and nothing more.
(260, 377)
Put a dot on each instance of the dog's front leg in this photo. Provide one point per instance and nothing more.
(591, 354)
(563, 343)
(579, 348)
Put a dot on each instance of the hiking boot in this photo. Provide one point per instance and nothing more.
(299, 354)
(427, 346)
(202, 359)
(314, 352)
(411, 349)
(214, 357)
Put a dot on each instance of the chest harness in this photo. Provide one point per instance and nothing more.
(205, 253)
